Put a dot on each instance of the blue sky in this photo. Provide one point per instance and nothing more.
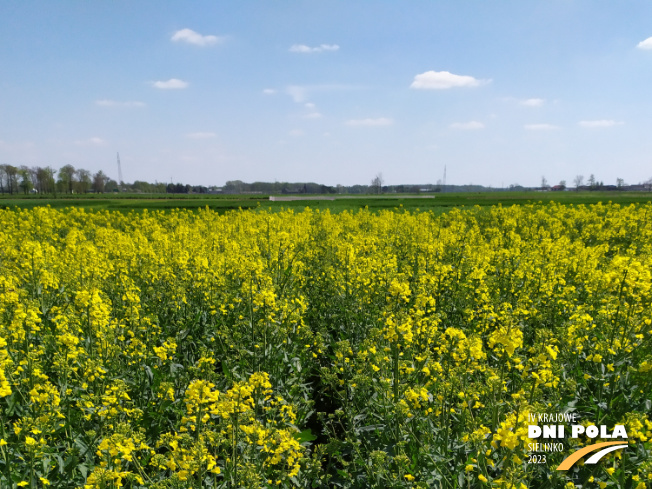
(330, 91)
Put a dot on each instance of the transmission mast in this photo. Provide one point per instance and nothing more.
(119, 173)
(444, 186)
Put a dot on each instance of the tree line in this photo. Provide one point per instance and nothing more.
(46, 180)
(70, 180)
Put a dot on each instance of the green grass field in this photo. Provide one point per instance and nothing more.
(434, 202)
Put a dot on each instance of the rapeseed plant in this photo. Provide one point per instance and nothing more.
(258, 349)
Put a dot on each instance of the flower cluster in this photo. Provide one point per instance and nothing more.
(186, 349)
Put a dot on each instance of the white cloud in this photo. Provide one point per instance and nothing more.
(312, 115)
(647, 44)
(302, 48)
(533, 102)
(540, 127)
(600, 123)
(114, 103)
(309, 105)
(95, 141)
(171, 84)
(300, 93)
(192, 37)
(297, 93)
(269, 91)
(468, 125)
(381, 121)
(441, 80)
(201, 135)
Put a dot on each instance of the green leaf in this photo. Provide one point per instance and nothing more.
(304, 436)
(84, 471)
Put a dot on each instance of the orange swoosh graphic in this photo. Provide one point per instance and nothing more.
(571, 459)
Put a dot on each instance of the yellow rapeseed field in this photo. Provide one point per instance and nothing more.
(259, 349)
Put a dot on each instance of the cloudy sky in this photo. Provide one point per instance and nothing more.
(330, 91)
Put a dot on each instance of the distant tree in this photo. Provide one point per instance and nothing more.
(42, 180)
(141, 187)
(544, 182)
(648, 184)
(562, 183)
(29, 173)
(578, 181)
(177, 188)
(377, 183)
(620, 183)
(25, 180)
(592, 182)
(4, 185)
(67, 178)
(99, 182)
(111, 186)
(9, 176)
(49, 180)
(238, 186)
(83, 183)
